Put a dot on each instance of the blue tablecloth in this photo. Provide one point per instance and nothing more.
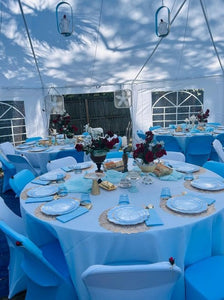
(85, 242)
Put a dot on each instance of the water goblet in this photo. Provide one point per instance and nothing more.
(188, 176)
(62, 191)
(133, 176)
(123, 199)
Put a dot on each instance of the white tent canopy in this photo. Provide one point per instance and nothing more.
(113, 46)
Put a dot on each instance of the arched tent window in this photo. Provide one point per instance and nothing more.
(174, 107)
(12, 122)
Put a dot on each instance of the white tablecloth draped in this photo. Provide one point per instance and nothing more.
(85, 242)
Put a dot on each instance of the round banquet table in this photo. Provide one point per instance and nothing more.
(86, 241)
(183, 137)
(39, 159)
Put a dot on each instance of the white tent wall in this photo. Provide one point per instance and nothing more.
(142, 105)
(33, 102)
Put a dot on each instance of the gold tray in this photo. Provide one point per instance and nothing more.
(107, 185)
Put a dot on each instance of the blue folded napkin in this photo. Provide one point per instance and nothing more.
(78, 185)
(141, 134)
(153, 219)
(154, 127)
(68, 168)
(39, 199)
(209, 201)
(209, 129)
(194, 130)
(41, 182)
(172, 126)
(72, 215)
(114, 176)
(174, 176)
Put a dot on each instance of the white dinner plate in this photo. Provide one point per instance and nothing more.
(53, 176)
(43, 191)
(161, 131)
(208, 183)
(187, 204)
(184, 167)
(31, 143)
(127, 215)
(37, 149)
(83, 165)
(218, 131)
(60, 206)
(179, 133)
(23, 147)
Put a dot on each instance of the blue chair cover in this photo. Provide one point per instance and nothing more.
(170, 142)
(45, 268)
(220, 137)
(21, 162)
(198, 149)
(141, 134)
(19, 180)
(215, 166)
(9, 170)
(78, 155)
(204, 279)
(35, 138)
(17, 278)
(114, 154)
(134, 282)
(214, 124)
(154, 127)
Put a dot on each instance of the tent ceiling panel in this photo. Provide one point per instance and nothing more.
(113, 42)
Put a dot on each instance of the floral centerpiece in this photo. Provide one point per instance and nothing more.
(202, 117)
(98, 147)
(62, 124)
(146, 152)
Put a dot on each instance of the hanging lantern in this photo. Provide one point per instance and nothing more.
(64, 17)
(162, 21)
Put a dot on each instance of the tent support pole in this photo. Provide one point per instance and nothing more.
(211, 36)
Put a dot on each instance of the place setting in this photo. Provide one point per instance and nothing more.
(205, 184)
(129, 218)
(186, 204)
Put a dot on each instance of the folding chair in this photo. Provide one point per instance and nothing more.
(61, 162)
(45, 268)
(9, 170)
(21, 162)
(131, 282)
(17, 278)
(19, 180)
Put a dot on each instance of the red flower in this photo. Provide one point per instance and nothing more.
(149, 150)
(18, 243)
(172, 260)
(79, 147)
(149, 156)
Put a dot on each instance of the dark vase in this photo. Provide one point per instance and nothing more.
(70, 135)
(98, 157)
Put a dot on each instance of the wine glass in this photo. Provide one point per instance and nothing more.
(133, 176)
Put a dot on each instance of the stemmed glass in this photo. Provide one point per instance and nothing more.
(133, 176)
